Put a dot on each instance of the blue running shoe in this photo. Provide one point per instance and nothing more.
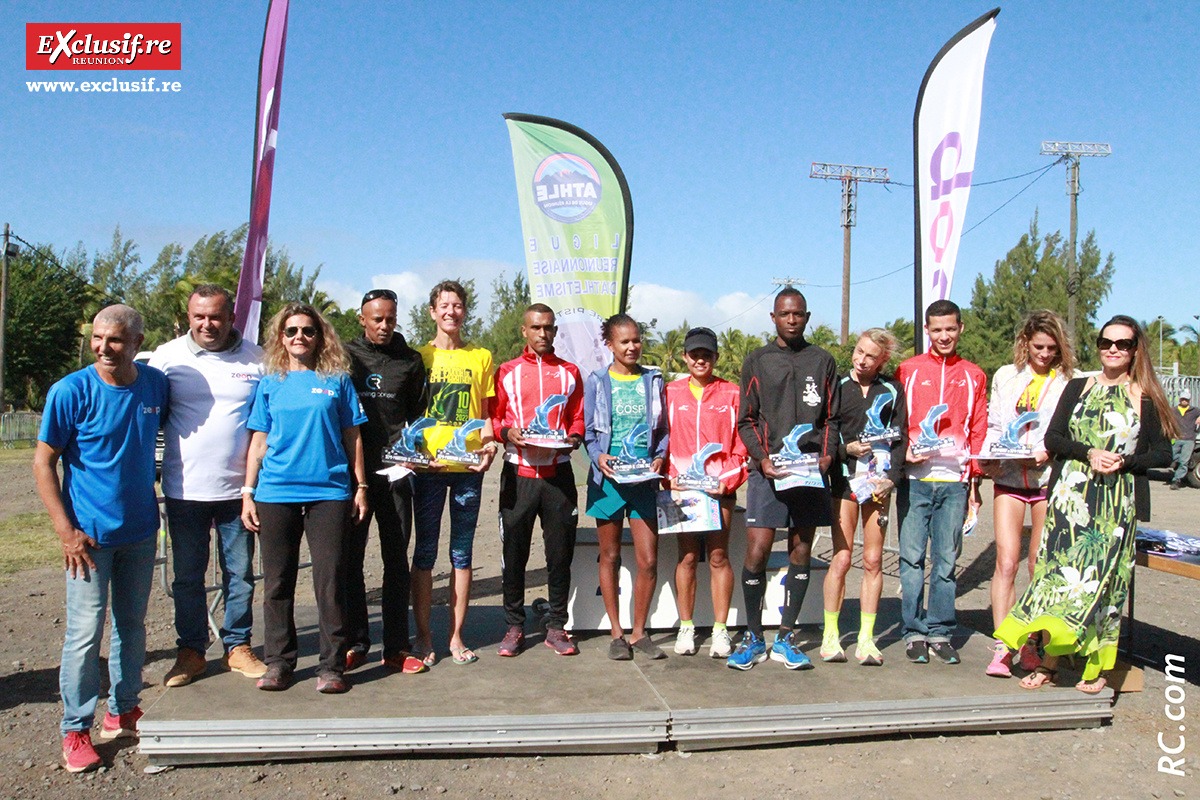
(786, 650)
(750, 651)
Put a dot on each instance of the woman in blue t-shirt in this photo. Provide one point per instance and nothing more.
(299, 482)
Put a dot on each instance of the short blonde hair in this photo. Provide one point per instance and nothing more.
(885, 340)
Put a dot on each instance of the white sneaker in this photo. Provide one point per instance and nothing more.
(721, 644)
(685, 641)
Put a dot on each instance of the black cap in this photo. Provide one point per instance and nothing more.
(700, 339)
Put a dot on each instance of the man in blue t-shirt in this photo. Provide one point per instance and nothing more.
(102, 422)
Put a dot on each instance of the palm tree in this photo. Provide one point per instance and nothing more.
(665, 351)
(1194, 330)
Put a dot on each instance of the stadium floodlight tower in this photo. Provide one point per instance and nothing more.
(1071, 153)
(849, 175)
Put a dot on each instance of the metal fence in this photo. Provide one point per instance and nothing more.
(19, 426)
(1174, 384)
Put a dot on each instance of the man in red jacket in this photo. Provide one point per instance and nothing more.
(539, 417)
(947, 421)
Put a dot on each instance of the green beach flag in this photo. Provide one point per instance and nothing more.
(577, 221)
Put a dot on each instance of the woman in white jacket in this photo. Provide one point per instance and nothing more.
(1024, 396)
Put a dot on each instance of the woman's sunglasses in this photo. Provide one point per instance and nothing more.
(1124, 345)
(308, 330)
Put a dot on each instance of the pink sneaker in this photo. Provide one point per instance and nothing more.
(124, 726)
(78, 753)
(1028, 658)
(1001, 666)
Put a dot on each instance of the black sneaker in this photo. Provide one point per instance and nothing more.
(945, 652)
(917, 652)
(619, 650)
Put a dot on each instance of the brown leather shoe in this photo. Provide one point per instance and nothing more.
(242, 659)
(189, 665)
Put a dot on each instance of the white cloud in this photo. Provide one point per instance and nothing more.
(671, 307)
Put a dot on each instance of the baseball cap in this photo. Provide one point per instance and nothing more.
(700, 339)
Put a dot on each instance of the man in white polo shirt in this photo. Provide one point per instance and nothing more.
(213, 374)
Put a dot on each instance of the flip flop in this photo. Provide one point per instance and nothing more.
(1095, 687)
(426, 657)
(463, 655)
(1039, 678)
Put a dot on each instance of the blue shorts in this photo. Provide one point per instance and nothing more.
(614, 501)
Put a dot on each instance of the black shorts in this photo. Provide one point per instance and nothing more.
(802, 507)
(839, 485)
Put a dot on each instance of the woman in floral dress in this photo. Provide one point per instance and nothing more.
(1106, 432)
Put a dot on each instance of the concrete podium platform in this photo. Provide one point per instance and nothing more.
(543, 703)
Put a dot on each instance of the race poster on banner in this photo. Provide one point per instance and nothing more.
(577, 222)
(945, 132)
(248, 305)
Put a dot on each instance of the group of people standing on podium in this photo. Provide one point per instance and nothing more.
(301, 439)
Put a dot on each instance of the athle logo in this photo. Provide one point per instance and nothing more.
(103, 45)
(566, 187)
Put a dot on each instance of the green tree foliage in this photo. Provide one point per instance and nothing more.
(1188, 353)
(1033, 275)
(734, 346)
(502, 335)
(46, 307)
(665, 351)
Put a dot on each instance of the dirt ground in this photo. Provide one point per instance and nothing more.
(1120, 760)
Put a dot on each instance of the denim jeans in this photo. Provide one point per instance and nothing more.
(931, 514)
(128, 571)
(1182, 454)
(429, 497)
(190, 522)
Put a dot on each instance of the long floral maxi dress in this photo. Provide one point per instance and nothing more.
(1086, 556)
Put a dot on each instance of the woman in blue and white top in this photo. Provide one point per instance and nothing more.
(304, 477)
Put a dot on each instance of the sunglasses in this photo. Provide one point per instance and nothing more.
(377, 294)
(308, 330)
(1124, 345)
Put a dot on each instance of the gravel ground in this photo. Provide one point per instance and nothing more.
(1120, 760)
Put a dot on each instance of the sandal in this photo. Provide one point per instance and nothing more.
(1093, 687)
(426, 657)
(1039, 678)
(463, 655)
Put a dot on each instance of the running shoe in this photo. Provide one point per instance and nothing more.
(513, 641)
(685, 641)
(560, 642)
(750, 651)
(332, 683)
(619, 650)
(1028, 657)
(945, 652)
(831, 649)
(78, 755)
(354, 659)
(1001, 666)
(788, 651)
(721, 645)
(868, 654)
(917, 651)
(121, 727)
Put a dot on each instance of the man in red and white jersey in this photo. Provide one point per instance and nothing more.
(947, 422)
(538, 414)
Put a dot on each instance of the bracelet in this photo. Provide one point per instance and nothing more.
(362, 487)
(248, 490)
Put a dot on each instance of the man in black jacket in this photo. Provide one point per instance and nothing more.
(789, 411)
(390, 380)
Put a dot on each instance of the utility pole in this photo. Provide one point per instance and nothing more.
(849, 175)
(1071, 152)
(3, 310)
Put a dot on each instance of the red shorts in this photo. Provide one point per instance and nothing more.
(1028, 496)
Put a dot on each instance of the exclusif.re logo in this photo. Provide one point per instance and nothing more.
(102, 45)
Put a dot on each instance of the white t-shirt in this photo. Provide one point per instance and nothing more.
(206, 437)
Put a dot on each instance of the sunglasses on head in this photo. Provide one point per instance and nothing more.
(378, 294)
(308, 330)
(1124, 345)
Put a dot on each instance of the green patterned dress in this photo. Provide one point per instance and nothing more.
(1086, 557)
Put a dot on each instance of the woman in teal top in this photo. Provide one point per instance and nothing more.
(623, 411)
(304, 476)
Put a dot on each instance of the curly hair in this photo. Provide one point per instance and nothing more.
(1051, 324)
(1141, 372)
(331, 356)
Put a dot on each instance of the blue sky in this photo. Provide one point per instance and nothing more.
(393, 165)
